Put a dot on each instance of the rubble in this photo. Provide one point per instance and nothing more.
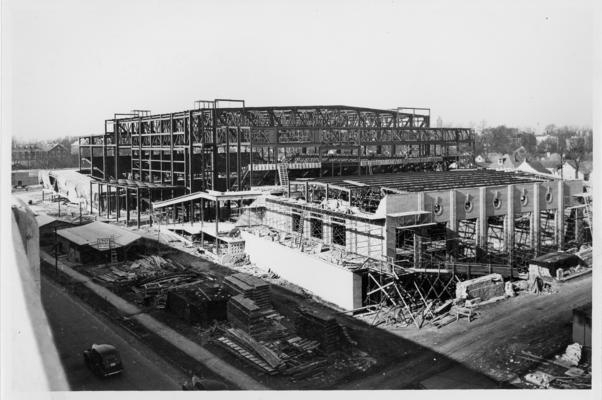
(572, 355)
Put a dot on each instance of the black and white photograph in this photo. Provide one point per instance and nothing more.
(266, 198)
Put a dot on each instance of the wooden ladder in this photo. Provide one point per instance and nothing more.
(283, 174)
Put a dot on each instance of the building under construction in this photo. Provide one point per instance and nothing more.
(358, 197)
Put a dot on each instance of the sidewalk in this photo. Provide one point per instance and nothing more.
(179, 341)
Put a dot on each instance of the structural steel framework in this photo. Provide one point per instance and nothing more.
(211, 147)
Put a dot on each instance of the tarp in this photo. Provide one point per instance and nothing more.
(69, 183)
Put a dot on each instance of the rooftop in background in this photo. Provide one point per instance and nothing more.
(89, 234)
(422, 181)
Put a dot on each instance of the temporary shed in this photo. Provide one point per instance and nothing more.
(96, 241)
(47, 225)
(557, 260)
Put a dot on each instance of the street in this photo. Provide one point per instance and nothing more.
(75, 327)
(490, 345)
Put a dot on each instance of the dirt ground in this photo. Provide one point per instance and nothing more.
(480, 354)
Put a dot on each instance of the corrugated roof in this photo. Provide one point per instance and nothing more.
(90, 233)
(422, 181)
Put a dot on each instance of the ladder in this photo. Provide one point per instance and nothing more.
(283, 174)
(114, 258)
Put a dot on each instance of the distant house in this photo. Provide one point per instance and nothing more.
(519, 155)
(533, 167)
(493, 157)
(569, 170)
(480, 159)
(57, 152)
(506, 161)
(551, 164)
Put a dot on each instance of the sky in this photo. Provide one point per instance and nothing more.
(69, 65)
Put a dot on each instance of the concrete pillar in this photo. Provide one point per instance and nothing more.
(127, 206)
(91, 197)
(560, 216)
(108, 201)
(420, 200)
(453, 220)
(117, 193)
(509, 225)
(216, 220)
(99, 199)
(138, 208)
(417, 251)
(534, 226)
(482, 236)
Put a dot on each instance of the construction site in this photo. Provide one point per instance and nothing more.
(209, 217)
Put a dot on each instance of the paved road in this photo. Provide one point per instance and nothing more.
(75, 327)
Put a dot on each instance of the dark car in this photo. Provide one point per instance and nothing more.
(103, 360)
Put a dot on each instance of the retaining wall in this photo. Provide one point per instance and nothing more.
(334, 284)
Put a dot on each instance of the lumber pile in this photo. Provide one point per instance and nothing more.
(319, 326)
(241, 352)
(145, 268)
(250, 287)
(244, 314)
(201, 303)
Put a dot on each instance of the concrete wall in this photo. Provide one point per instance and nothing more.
(511, 200)
(330, 282)
(30, 360)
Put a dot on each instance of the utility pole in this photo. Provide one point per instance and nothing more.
(56, 254)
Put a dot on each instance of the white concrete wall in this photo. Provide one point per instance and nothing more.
(330, 282)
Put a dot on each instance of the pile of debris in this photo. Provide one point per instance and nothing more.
(145, 268)
(566, 371)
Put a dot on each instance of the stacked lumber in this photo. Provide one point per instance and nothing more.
(319, 326)
(258, 349)
(244, 314)
(303, 345)
(306, 369)
(250, 287)
(245, 355)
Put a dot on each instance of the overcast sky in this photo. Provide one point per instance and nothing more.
(71, 64)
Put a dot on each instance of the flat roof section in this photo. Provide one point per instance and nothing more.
(90, 233)
(424, 181)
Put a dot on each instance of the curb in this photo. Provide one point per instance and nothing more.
(192, 349)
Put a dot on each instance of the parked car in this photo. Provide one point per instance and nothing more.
(103, 360)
